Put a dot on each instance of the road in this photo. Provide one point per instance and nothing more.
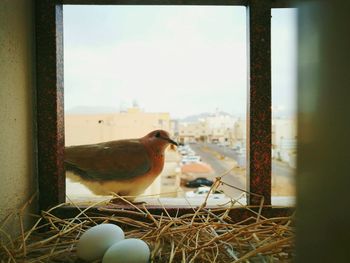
(278, 168)
(220, 166)
(214, 155)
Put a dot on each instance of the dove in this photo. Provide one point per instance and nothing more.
(125, 167)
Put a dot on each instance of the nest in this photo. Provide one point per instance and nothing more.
(204, 235)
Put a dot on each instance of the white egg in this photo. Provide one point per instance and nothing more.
(130, 250)
(95, 241)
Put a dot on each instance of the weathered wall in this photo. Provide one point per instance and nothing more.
(17, 71)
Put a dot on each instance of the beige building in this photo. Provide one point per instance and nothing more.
(94, 128)
(219, 128)
(240, 130)
(193, 132)
(284, 140)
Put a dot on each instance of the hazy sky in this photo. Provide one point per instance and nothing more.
(178, 59)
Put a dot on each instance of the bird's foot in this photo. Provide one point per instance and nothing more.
(124, 202)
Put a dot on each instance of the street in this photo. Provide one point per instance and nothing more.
(221, 159)
(220, 165)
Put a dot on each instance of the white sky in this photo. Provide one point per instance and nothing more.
(179, 59)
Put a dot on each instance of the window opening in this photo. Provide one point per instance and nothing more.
(284, 114)
(132, 69)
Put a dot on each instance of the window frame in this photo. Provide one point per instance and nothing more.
(50, 100)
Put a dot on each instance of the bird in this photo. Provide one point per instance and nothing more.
(125, 167)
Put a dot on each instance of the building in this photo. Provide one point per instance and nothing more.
(193, 132)
(94, 128)
(216, 128)
(284, 140)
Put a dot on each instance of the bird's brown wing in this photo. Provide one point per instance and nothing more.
(123, 159)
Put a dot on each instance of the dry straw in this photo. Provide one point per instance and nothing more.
(204, 235)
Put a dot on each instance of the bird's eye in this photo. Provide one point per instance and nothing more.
(158, 134)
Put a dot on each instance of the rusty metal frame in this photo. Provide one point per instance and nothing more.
(154, 2)
(236, 214)
(259, 102)
(50, 108)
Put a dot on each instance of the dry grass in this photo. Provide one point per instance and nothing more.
(204, 235)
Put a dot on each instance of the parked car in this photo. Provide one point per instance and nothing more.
(200, 181)
(203, 191)
(191, 159)
(185, 150)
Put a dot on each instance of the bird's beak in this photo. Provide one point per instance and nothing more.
(173, 142)
(170, 141)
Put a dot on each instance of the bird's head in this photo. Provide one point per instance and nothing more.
(159, 138)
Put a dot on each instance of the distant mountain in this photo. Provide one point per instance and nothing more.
(197, 117)
(91, 110)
